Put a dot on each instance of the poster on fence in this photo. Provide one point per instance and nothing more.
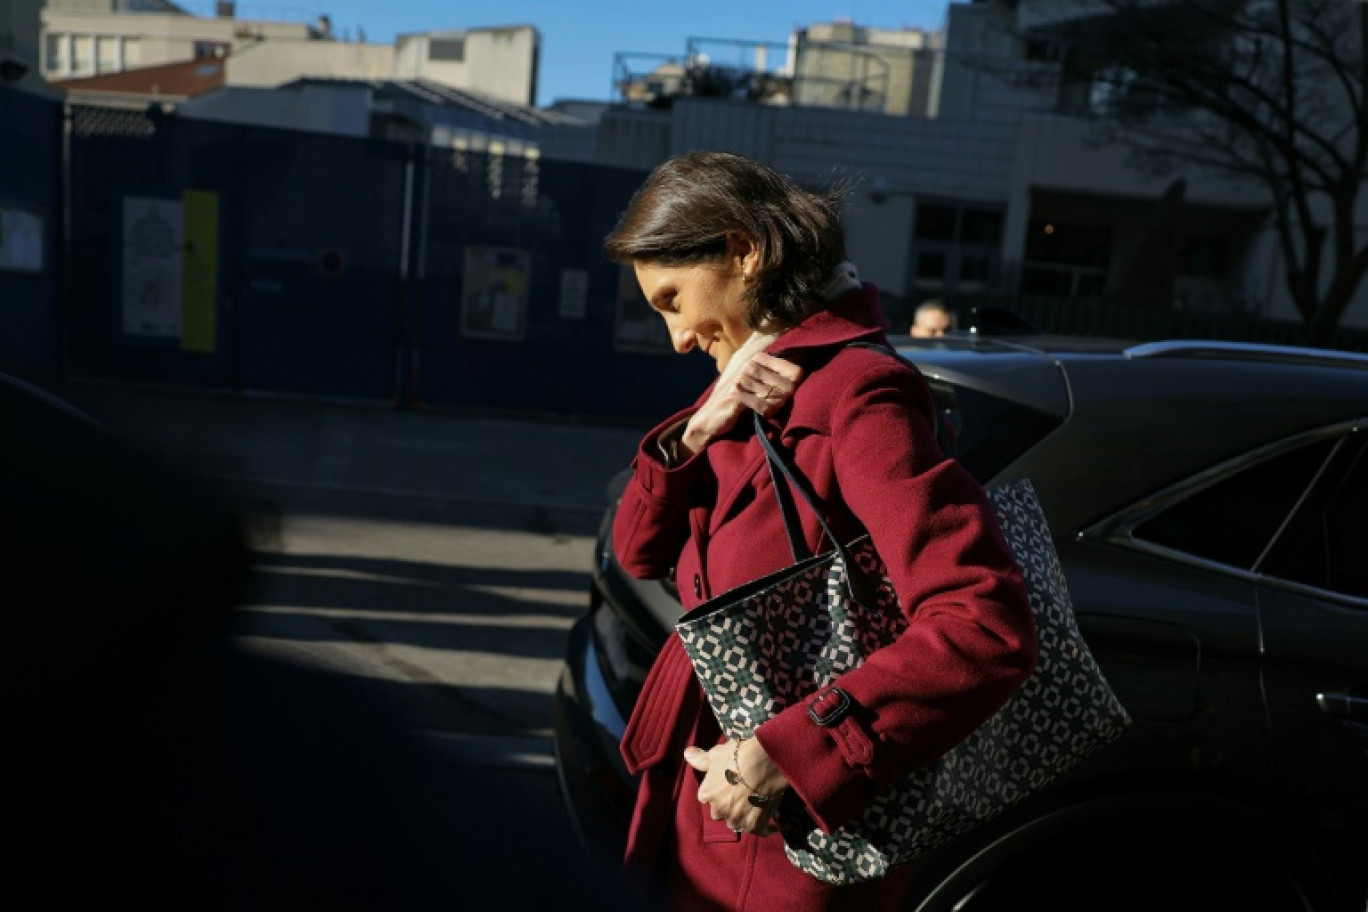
(636, 327)
(21, 240)
(494, 293)
(168, 286)
(151, 292)
(574, 294)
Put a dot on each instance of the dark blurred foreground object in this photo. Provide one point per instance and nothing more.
(150, 762)
(116, 575)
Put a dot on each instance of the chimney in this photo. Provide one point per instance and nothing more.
(225, 9)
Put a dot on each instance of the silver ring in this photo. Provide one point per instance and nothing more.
(736, 831)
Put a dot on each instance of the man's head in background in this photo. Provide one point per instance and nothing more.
(932, 319)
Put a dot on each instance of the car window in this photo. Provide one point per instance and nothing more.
(1326, 544)
(1234, 520)
(988, 432)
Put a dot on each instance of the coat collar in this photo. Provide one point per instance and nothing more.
(854, 315)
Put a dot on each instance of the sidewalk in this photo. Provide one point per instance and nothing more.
(303, 454)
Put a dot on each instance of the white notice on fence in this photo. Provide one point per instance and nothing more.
(574, 293)
(152, 267)
(21, 240)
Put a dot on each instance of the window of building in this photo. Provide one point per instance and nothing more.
(1041, 51)
(1052, 241)
(449, 50)
(55, 53)
(1208, 257)
(975, 269)
(956, 245)
(936, 223)
(930, 267)
(210, 49)
(82, 53)
(108, 54)
(981, 226)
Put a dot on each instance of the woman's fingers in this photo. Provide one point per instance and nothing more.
(777, 370)
(767, 382)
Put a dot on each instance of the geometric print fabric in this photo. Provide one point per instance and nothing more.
(769, 644)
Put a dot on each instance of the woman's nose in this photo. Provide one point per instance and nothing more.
(683, 338)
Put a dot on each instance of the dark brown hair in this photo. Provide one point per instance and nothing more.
(688, 205)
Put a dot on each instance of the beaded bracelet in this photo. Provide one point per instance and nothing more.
(733, 777)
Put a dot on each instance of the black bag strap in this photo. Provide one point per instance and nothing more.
(856, 586)
(793, 530)
(779, 466)
(782, 492)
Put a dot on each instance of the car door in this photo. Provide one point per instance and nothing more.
(1225, 530)
(1313, 612)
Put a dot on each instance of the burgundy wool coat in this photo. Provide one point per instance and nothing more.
(860, 428)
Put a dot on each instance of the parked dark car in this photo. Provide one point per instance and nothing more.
(1209, 502)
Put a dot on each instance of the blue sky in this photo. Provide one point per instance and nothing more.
(580, 37)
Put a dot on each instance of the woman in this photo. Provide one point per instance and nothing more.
(748, 267)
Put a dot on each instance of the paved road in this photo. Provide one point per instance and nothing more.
(537, 476)
(446, 552)
(435, 560)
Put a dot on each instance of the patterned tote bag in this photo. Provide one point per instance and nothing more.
(778, 640)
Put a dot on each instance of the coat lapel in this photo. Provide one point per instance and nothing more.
(737, 460)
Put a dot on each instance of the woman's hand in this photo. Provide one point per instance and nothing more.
(733, 772)
(764, 383)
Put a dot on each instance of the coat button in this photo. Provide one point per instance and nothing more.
(698, 586)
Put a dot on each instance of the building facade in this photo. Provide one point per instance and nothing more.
(85, 38)
(972, 152)
(1011, 181)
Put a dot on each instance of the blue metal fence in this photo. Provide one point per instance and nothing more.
(30, 225)
(359, 269)
(256, 260)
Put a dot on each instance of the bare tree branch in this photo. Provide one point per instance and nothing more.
(1270, 92)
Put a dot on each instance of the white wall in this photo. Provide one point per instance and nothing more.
(878, 237)
(152, 39)
(285, 60)
(498, 62)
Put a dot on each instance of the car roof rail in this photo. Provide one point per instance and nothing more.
(1247, 351)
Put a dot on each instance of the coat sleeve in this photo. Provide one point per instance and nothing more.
(970, 640)
(652, 519)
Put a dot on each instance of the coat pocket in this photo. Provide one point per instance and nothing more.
(716, 830)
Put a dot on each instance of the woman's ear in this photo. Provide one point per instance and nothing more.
(743, 254)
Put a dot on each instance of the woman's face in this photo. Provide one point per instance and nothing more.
(704, 304)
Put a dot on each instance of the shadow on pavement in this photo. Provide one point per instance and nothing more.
(152, 763)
